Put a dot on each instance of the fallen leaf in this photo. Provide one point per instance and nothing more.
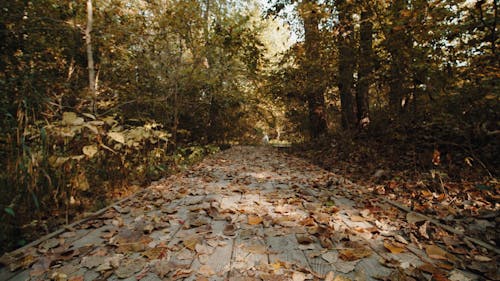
(393, 247)
(436, 252)
(439, 276)
(129, 268)
(92, 261)
(304, 239)
(254, 220)
(308, 222)
(190, 242)
(298, 276)
(229, 230)
(58, 276)
(352, 254)
(429, 268)
(423, 230)
(457, 275)
(154, 253)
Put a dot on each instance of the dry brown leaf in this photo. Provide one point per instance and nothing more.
(439, 276)
(229, 230)
(254, 220)
(191, 241)
(429, 268)
(423, 230)
(445, 265)
(92, 261)
(304, 239)
(155, 253)
(436, 252)
(308, 222)
(394, 248)
(129, 268)
(353, 254)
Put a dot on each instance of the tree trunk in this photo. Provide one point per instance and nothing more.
(398, 45)
(314, 87)
(365, 68)
(346, 66)
(90, 57)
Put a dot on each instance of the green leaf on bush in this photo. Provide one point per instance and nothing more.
(10, 211)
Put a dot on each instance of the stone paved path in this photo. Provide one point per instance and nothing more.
(248, 213)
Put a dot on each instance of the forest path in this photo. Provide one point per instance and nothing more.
(247, 213)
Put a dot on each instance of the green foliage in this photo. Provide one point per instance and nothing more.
(169, 74)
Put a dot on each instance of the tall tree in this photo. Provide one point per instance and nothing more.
(346, 64)
(399, 45)
(315, 87)
(364, 66)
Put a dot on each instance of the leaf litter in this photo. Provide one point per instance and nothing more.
(199, 214)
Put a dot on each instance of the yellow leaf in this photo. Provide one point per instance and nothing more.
(393, 248)
(276, 265)
(254, 220)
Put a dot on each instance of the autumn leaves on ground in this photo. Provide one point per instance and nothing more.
(255, 213)
(397, 100)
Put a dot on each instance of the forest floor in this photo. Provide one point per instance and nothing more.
(255, 213)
